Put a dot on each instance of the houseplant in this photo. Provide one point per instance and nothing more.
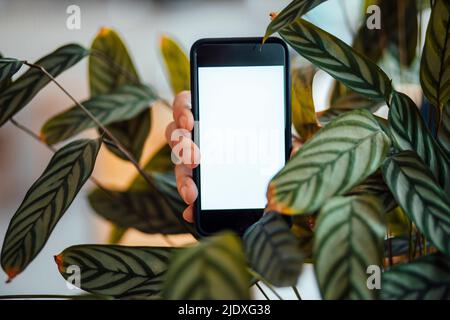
(358, 183)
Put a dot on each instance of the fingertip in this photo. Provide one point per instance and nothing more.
(188, 214)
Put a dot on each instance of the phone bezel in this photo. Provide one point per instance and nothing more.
(235, 52)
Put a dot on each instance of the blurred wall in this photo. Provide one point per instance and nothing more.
(30, 29)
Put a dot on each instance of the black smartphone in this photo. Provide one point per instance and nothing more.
(241, 105)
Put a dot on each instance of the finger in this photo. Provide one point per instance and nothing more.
(185, 185)
(186, 151)
(182, 113)
(169, 130)
(188, 214)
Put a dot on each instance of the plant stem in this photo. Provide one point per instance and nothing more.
(268, 285)
(119, 145)
(262, 291)
(297, 294)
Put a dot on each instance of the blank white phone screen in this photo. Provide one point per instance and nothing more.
(241, 134)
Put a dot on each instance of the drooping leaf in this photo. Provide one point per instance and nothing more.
(117, 271)
(21, 91)
(398, 223)
(110, 67)
(434, 68)
(296, 9)
(145, 210)
(375, 185)
(272, 250)
(8, 67)
(45, 203)
(303, 113)
(338, 59)
(427, 278)
(419, 195)
(340, 156)
(215, 268)
(348, 239)
(410, 132)
(122, 104)
(444, 130)
(177, 65)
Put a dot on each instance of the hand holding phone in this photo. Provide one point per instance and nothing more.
(240, 102)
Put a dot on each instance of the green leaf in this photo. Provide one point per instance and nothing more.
(117, 271)
(338, 59)
(145, 210)
(417, 192)
(303, 229)
(289, 14)
(349, 238)
(427, 278)
(21, 91)
(116, 234)
(444, 130)
(410, 132)
(272, 250)
(303, 113)
(45, 203)
(8, 67)
(177, 65)
(434, 68)
(340, 156)
(215, 268)
(375, 185)
(123, 104)
(110, 67)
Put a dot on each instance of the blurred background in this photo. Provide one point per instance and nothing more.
(30, 29)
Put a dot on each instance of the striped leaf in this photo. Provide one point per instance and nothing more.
(417, 192)
(434, 68)
(123, 104)
(215, 268)
(303, 113)
(349, 238)
(5, 82)
(177, 65)
(340, 156)
(375, 185)
(444, 130)
(427, 278)
(21, 91)
(45, 203)
(273, 251)
(111, 67)
(145, 210)
(338, 59)
(296, 9)
(410, 132)
(8, 67)
(117, 271)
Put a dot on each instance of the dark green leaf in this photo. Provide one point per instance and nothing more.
(177, 65)
(8, 67)
(434, 68)
(215, 268)
(122, 104)
(144, 210)
(444, 130)
(21, 91)
(410, 132)
(338, 59)
(116, 271)
(289, 14)
(45, 203)
(272, 250)
(349, 238)
(340, 156)
(427, 278)
(111, 67)
(419, 195)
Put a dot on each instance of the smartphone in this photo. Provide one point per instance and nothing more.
(241, 105)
